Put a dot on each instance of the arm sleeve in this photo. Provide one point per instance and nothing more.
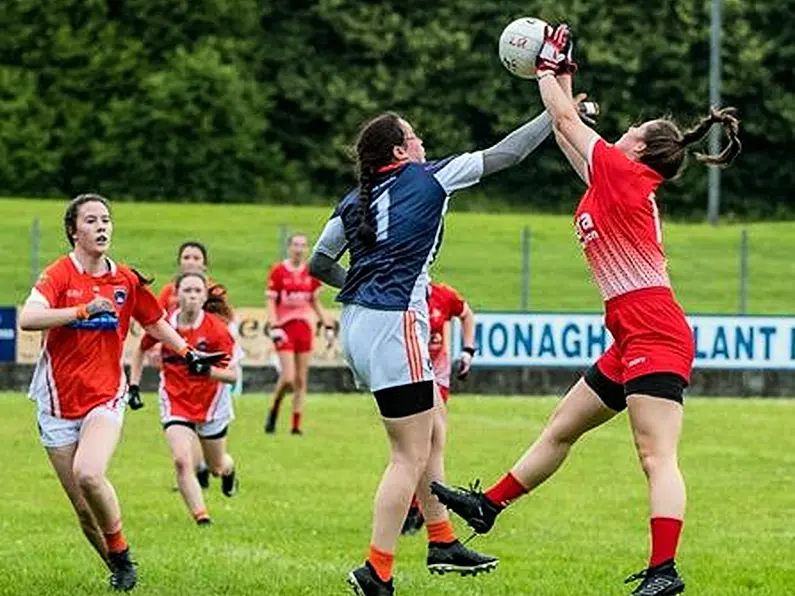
(146, 311)
(48, 288)
(225, 343)
(606, 163)
(165, 295)
(517, 145)
(332, 241)
(274, 282)
(458, 172)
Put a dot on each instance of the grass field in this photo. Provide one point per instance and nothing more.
(481, 254)
(301, 520)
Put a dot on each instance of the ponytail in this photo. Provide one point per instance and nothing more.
(731, 127)
(217, 303)
(374, 149)
(365, 232)
(666, 147)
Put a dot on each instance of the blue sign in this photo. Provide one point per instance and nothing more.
(577, 340)
(8, 333)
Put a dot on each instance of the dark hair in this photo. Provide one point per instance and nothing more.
(295, 235)
(666, 145)
(70, 215)
(374, 149)
(217, 302)
(192, 244)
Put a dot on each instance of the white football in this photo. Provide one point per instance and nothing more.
(520, 43)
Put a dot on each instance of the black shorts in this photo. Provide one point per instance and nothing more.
(405, 400)
(195, 428)
(614, 395)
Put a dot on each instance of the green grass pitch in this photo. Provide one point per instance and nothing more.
(302, 518)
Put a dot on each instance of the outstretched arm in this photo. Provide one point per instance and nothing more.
(517, 145)
(565, 117)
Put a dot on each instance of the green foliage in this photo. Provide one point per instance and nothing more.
(251, 101)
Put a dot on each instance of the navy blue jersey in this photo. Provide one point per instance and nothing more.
(407, 212)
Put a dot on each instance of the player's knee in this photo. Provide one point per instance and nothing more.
(287, 379)
(298, 384)
(183, 464)
(655, 461)
(559, 432)
(88, 479)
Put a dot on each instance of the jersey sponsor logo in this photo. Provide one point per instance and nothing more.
(74, 293)
(119, 296)
(636, 361)
(585, 228)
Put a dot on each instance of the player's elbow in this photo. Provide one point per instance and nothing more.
(29, 320)
(563, 120)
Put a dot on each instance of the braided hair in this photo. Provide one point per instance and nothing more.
(666, 145)
(374, 150)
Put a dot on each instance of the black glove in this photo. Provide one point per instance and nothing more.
(134, 397)
(200, 363)
(589, 112)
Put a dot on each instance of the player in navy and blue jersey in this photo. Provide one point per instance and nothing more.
(392, 226)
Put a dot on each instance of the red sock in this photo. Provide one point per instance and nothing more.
(382, 562)
(116, 541)
(665, 533)
(506, 490)
(415, 504)
(296, 420)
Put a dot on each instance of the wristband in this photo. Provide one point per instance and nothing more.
(544, 74)
(469, 350)
(82, 312)
(184, 351)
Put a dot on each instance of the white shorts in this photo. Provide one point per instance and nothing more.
(60, 432)
(386, 348)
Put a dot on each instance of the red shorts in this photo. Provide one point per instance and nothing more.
(444, 393)
(299, 337)
(651, 335)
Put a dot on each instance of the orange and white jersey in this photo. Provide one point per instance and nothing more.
(293, 291)
(80, 365)
(189, 397)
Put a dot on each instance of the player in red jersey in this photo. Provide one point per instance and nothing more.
(197, 408)
(444, 303)
(293, 303)
(84, 303)
(648, 367)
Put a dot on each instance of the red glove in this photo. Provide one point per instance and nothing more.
(569, 65)
(552, 57)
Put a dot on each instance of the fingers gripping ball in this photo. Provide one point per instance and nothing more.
(520, 44)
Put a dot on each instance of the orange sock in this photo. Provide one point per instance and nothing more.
(382, 562)
(116, 541)
(441, 532)
(200, 514)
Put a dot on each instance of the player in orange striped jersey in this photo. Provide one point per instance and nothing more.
(192, 257)
(196, 406)
(293, 304)
(84, 302)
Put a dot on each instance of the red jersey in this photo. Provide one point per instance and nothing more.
(293, 290)
(80, 368)
(192, 397)
(618, 224)
(444, 303)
